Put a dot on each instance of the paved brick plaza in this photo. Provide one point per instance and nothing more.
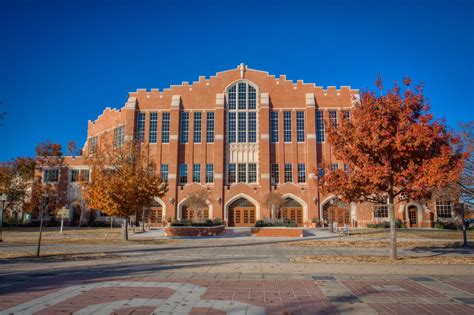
(170, 293)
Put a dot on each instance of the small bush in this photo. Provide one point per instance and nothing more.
(386, 224)
(449, 224)
(278, 223)
(207, 222)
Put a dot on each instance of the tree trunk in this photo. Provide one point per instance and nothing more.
(80, 216)
(38, 246)
(393, 231)
(273, 214)
(125, 229)
(143, 219)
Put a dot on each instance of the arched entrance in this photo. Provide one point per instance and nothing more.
(291, 210)
(241, 212)
(187, 213)
(154, 214)
(337, 211)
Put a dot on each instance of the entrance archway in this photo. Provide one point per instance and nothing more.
(412, 215)
(337, 211)
(155, 214)
(185, 212)
(241, 212)
(291, 210)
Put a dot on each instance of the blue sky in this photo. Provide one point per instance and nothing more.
(63, 62)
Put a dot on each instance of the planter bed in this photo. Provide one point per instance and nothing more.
(277, 231)
(194, 230)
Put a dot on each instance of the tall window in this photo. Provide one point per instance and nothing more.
(164, 172)
(93, 145)
(196, 173)
(301, 173)
(197, 127)
(334, 166)
(231, 173)
(347, 115)
(141, 126)
(300, 126)
(443, 208)
(210, 127)
(84, 175)
(346, 167)
(119, 136)
(183, 173)
(74, 177)
(165, 128)
(288, 173)
(274, 127)
(209, 173)
(51, 175)
(287, 126)
(242, 114)
(184, 127)
(380, 211)
(242, 173)
(275, 174)
(319, 126)
(252, 168)
(152, 131)
(333, 118)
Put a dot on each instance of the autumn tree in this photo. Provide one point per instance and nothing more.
(123, 181)
(47, 194)
(16, 179)
(273, 201)
(394, 149)
(198, 202)
(466, 182)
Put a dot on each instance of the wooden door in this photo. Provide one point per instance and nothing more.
(155, 216)
(292, 214)
(412, 213)
(339, 215)
(240, 216)
(188, 213)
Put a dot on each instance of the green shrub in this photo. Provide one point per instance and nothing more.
(386, 224)
(206, 222)
(277, 223)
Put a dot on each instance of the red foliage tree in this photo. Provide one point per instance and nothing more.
(393, 148)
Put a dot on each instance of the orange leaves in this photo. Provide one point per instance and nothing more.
(123, 180)
(392, 147)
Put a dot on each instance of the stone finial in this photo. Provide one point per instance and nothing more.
(242, 67)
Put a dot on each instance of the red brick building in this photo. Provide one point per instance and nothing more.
(241, 134)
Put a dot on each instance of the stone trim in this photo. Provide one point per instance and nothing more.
(131, 103)
(311, 136)
(171, 176)
(173, 137)
(219, 137)
(218, 176)
(175, 101)
(310, 101)
(264, 100)
(264, 136)
(220, 100)
(265, 175)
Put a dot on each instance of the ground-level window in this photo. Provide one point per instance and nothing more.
(50, 175)
(183, 173)
(443, 209)
(380, 211)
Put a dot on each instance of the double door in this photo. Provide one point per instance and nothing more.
(241, 216)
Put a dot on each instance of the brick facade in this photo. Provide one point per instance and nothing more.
(211, 95)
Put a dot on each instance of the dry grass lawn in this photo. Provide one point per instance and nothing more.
(409, 260)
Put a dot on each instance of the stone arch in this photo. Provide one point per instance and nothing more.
(419, 212)
(322, 203)
(236, 197)
(255, 86)
(163, 206)
(303, 204)
(179, 214)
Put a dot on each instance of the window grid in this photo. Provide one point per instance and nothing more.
(119, 136)
(301, 173)
(334, 166)
(242, 95)
(93, 145)
(252, 97)
(232, 98)
(300, 127)
(197, 127)
(184, 127)
(231, 173)
(275, 174)
(333, 118)
(287, 126)
(196, 173)
(231, 127)
(288, 173)
(274, 127)
(242, 173)
(242, 127)
(319, 126)
(141, 117)
(210, 127)
(380, 211)
(164, 172)
(252, 128)
(152, 131)
(209, 173)
(252, 169)
(346, 167)
(165, 128)
(443, 209)
(183, 173)
(74, 175)
(84, 175)
(347, 115)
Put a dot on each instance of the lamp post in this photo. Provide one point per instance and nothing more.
(4, 200)
(331, 203)
(463, 221)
